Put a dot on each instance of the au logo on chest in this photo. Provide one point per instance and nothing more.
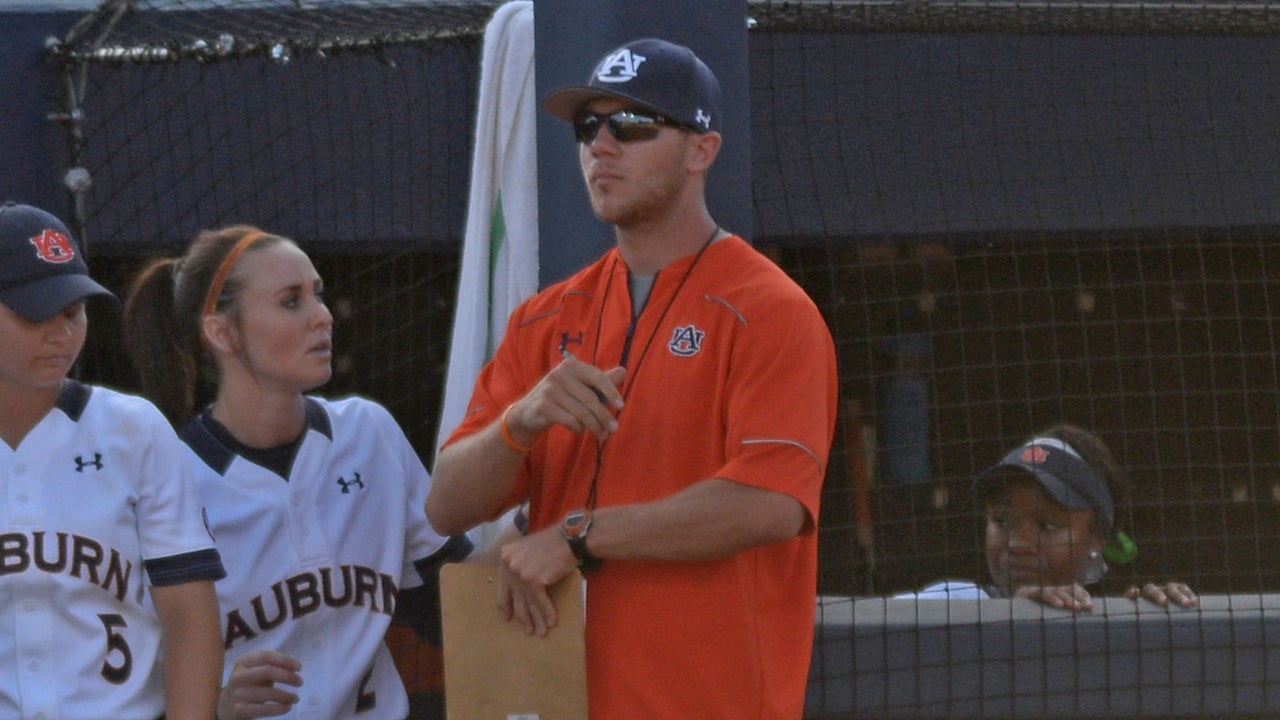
(686, 341)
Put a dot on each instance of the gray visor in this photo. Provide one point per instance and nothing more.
(1063, 474)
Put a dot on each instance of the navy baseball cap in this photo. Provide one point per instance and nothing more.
(41, 268)
(660, 76)
(1062, 473)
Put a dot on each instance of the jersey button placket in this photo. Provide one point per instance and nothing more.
(36, 685)
(33, 634)
(302, 523)
(24, 493)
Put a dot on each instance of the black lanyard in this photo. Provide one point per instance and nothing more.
(626, 347)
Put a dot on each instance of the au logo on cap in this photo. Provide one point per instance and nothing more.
(620, 67)
(1035, 455)
(52, 246)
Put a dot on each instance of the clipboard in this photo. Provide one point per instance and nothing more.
(492, 669)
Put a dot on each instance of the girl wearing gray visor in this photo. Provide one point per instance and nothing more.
(1051, 526)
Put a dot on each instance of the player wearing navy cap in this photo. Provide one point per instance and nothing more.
(106, 566)
(317, 504)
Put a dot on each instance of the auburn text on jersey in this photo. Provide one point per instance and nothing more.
(306, 592)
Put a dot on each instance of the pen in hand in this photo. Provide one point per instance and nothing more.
(568, 355)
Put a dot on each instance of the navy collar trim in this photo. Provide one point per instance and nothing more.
(73, 398)
(197, 434)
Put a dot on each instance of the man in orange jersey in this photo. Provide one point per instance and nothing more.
(666, 414)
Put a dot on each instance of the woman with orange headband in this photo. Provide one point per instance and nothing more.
(316, 504)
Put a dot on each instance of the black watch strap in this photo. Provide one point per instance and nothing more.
(586, 561)
(574, 529)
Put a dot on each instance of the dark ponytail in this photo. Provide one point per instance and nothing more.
(163, 352)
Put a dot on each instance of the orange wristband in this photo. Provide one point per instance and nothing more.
(506, 434)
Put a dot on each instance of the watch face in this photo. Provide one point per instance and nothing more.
(576, 522)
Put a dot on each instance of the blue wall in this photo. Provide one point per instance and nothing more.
(851, 136)
(879, 135)
(32, 148)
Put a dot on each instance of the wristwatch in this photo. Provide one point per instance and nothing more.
(574, 529)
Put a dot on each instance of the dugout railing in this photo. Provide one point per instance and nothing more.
(905, 658)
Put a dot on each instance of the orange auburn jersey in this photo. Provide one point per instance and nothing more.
(731, 373)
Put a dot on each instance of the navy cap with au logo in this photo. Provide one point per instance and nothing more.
(654, 74)
(41, 268)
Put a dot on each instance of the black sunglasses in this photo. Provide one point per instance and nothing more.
(624, 125)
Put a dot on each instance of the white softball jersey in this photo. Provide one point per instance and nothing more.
(98, 503)
(315, 561)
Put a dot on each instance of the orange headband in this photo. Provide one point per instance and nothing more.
(220, 277)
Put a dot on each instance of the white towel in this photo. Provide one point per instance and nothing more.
(500, 248)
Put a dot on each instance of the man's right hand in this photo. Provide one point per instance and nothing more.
(577, 395)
